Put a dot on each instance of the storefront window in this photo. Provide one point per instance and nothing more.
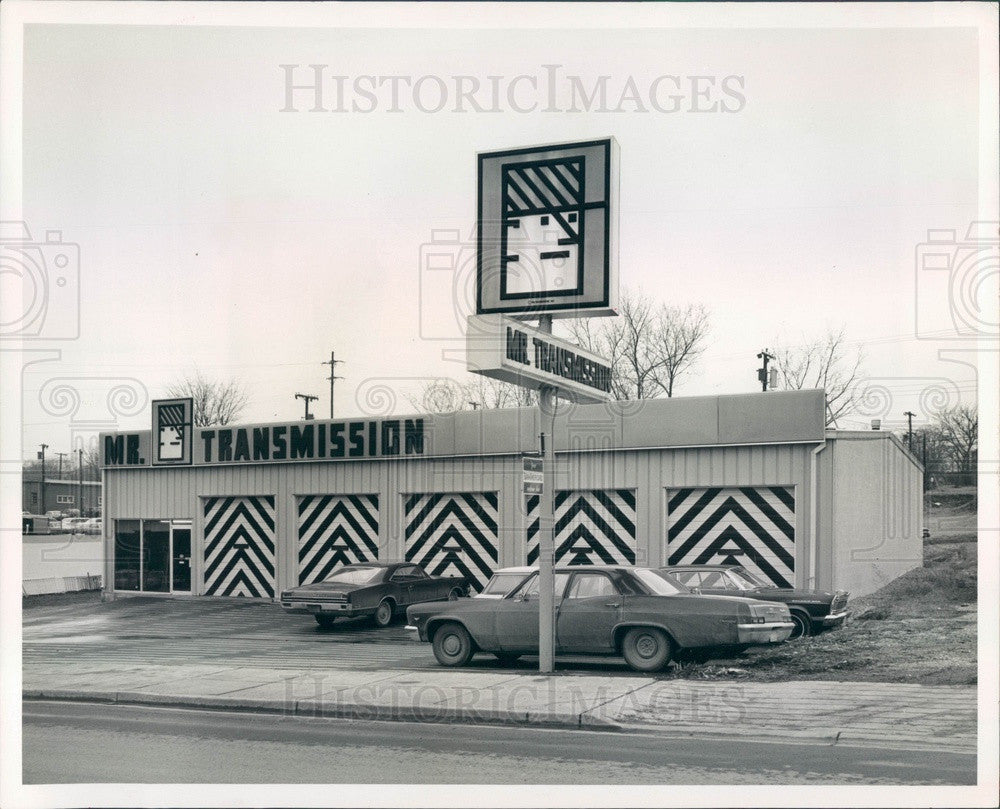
(127, 554)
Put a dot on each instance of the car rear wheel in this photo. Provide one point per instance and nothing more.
(452, 645)
(803, 628)
(646, 648)
(325, 621)
(455, 594)
(383, 613)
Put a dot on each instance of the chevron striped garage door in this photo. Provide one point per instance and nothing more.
(595, 527)
(754, 527)
(239, 546)
(335, 530)
(453, 534)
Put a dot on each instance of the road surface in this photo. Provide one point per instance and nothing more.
(94, 743)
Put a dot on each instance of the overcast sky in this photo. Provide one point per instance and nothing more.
(218, 232)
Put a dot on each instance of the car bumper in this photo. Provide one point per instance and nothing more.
(775, 632)
(834, 619)
(338, 610)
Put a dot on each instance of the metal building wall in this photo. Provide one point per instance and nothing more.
(174, 493)
(871, 515)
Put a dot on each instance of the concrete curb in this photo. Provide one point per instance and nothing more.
(429, 714)
(444, 714)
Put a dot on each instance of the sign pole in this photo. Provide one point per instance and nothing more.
(546, 549)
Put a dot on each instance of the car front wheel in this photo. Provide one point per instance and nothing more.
(646, 648)
(383, 614)
(325, 621)
(803, 628)
(452, 645)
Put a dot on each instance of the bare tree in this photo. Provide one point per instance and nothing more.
(679, 339)
(649, 346)
(958, 428)
(216, 402)
(826, 363)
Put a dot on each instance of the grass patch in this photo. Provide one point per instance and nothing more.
(920, 628)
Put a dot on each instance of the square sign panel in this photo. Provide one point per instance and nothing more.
(548, 230)
(172, 431)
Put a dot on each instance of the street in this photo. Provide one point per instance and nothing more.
(92, 743)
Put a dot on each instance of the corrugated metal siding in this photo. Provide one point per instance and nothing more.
(875, 513)
(174, 493)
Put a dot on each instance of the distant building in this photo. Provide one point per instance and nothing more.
(61, 495)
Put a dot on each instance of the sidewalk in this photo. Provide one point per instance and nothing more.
(884, 715)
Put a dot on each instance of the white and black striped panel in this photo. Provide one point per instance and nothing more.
(594, 527)
(453, 534)
(239, 546)
(335, 530)
(751, 526)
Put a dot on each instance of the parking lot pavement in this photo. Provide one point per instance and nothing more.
(229, 654)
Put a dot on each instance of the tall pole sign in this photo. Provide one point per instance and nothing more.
(547, 247)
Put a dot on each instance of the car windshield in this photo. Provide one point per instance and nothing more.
(659, 583)
(355, 575)
(503, 583)
(746, 580)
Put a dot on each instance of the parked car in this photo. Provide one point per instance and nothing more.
(812, 611)
(503, 581)
(91, 525)
(647, 617)
(925, 532)
(372, 589)
(73, 524)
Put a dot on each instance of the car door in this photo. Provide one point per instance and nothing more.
(402, 582)
(426, 588)
(588, 613)
(517, 615)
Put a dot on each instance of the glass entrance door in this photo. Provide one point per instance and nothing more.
(181, 558)
(156, 556)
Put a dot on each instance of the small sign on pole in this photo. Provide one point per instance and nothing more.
(532, 474)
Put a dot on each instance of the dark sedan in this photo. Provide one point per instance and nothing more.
(635, 612)
(812, 610)
(373, 589)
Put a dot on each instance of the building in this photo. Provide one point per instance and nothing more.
(754, 478)
(61, 495)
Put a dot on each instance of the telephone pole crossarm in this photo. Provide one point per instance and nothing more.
(306, 398)
(332, 362)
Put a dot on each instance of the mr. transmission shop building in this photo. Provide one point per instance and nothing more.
(244, 511)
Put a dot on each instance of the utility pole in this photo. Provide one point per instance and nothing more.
(762, 372)
(41, 457)
(333, 366)
(61, 456)
(80, 451)
(924, 436)
(909, 430)
(305, 397)
(546, 543)
(475, 405)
